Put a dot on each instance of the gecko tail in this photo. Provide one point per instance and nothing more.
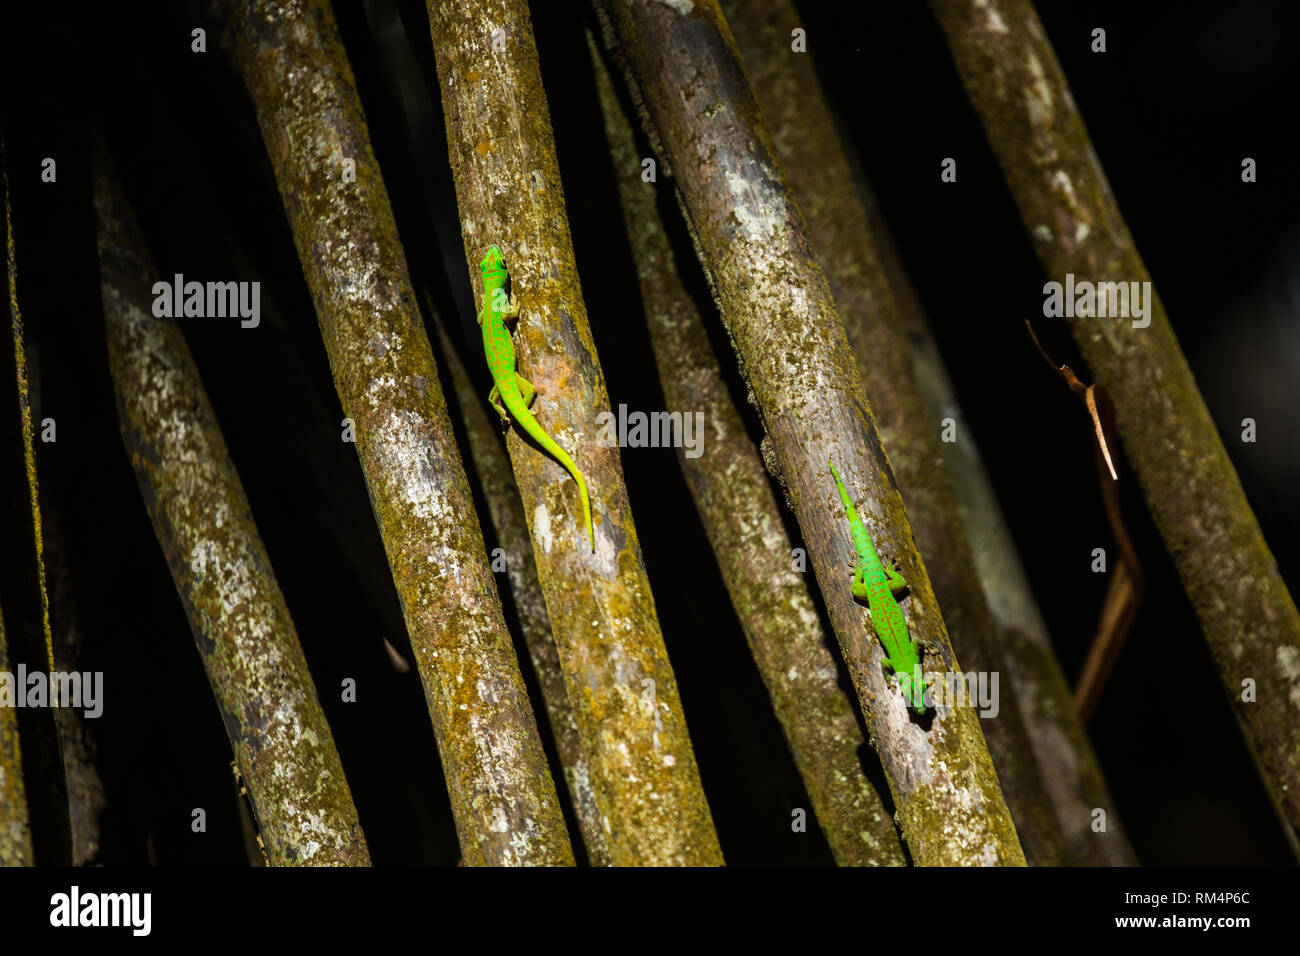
(572, 469)
(521, 413)
(586, 507)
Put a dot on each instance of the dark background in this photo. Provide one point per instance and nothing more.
(1183, 93)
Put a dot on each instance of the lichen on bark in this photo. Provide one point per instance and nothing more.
(15, 828)
(1246, 612)
(619, 679)
(743, 521)
(22, 587)
(506, 512)
(849, 237)
(250, 650)
(687, 76)
(502, 795)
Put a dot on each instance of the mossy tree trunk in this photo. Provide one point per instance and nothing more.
(602, 613)
(506, 511)
(821, 179)
(34, 818)
(1048, 773)
(283, 746)
(1070, 768)
(502, 795)
(1191, 488)
(743, 520)
(15, 827)
(795, 356)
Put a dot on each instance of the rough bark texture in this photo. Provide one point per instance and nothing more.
(955, 516)
(15, 829)
(786, 88)
(506, 511)
(743, 520)
(502, 795)
(33, 796)
(619, 679)
(1071, 772)
(1246, 612)
(796, 359)
(1070, 768)
(250, 650)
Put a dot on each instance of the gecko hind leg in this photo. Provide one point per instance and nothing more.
(526, 390)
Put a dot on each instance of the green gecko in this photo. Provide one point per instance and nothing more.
(512, 396)
(879, 585)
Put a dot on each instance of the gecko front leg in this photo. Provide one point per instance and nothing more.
(494, 399)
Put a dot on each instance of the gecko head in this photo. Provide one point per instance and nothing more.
(494, 264)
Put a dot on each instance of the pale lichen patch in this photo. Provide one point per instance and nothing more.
(681, 7)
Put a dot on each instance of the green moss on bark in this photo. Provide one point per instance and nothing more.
(256, 667)
(23, 587)
(502, 796)
(745, 528)
(786, 87)
(1191, 488)
(795, 356)
(506, 511)
(15, 828)
(619, 679)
